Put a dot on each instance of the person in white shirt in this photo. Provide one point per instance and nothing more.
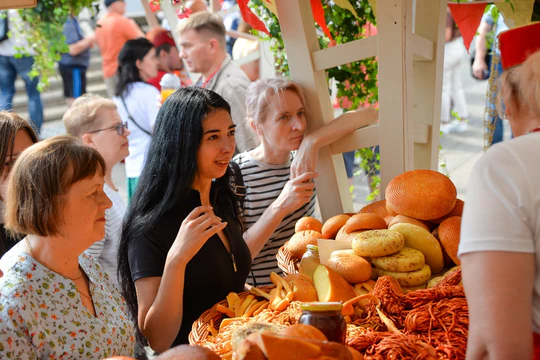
(96, 122)
(137, 102)
(500, 230)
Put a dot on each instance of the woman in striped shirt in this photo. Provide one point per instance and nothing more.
(279, 186)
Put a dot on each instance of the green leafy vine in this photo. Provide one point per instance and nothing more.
(43, 29)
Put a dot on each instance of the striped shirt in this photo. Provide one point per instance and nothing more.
(105, 251)
(263, 184)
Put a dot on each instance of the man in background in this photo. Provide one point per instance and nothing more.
(73, 65)
(112, 32)
(10, 67)
(169, 61)
(202, 38)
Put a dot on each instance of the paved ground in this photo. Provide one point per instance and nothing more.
(459, 150)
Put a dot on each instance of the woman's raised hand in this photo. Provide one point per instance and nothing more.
(305, 159)
(199, 226)
(296, 193)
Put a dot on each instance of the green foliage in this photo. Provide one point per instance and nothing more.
(356, 82)
(43, 29)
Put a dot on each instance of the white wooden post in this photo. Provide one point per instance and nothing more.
(394, 26)
(298, 30)
(428, 81)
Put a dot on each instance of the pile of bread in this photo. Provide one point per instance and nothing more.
(412, 236)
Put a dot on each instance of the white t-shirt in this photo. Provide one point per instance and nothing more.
(142, 102)
(263, 184)
(502, 211)
(105, 251)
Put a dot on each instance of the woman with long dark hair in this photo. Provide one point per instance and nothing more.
(16, 134)
(181, 249)
(137, 102)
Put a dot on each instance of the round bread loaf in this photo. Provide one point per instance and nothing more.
(191, 352)
(332, 226)
(308, 223)
(342, 234)
(449, 235)
(377, 207)
(377, 243)
(408, 279)
(365, 221)
(350, 266)
(456, 211)
(405, 260)
(304, 331)
(407, 219)
(298, 243)
(421, 194)
(302, 286)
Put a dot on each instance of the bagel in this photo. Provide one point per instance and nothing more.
(421, 194)
(405, 260)
(331, 226)
(308, 223)
(298, 243)
(377, 207)
(365, 221)
(376, 243)
(408, 279)
(420, 239)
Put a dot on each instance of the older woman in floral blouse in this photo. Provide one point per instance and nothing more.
(55, 301)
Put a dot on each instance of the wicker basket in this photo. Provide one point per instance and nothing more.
(286, 262)
(199, 330)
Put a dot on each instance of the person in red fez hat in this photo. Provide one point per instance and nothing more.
(168, 57)
(500, 229)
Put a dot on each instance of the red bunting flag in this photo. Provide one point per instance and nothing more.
(318, 15)
(250, 17)
(467, 17)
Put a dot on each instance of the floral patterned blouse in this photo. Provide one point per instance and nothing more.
(42, 315)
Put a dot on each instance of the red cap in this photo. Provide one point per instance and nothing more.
(163, 37)
(518, 44)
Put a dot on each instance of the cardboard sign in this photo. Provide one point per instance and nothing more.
(17, 4)
(327, 246)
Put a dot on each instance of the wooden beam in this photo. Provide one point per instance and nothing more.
(361, 138)
(394, 23)
(300, 38)
(428, 81)
(345, 53)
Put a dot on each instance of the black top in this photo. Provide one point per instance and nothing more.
(7, 241)
(210, 275)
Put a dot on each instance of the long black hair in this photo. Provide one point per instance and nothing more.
(128, 72)
(169, 173)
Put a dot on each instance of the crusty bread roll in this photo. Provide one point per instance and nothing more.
(302, 286)
(390, 211)
(376, 243)
(191, 352)
(332, 226)
(298, 243)
(364, 221)
(456, 211)
(350, 266)
(331, 286)
(308, 223)
(449, 235)
(407, 219)
(377, 207)
(304, 331)
(342, 234)
(421, 194)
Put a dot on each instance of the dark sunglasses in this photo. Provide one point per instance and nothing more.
(120, 129)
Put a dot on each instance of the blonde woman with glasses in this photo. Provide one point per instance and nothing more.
(96, 122)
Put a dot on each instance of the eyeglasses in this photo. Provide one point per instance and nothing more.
(120, 129)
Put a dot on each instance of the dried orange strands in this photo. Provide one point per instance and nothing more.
(447, 314)
(451, 345)
(386, 345)
(421, 297)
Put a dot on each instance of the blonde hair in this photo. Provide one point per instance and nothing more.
(205, 23)
(83, 115)
(521, 85)
(260, 93)
(41, 175)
